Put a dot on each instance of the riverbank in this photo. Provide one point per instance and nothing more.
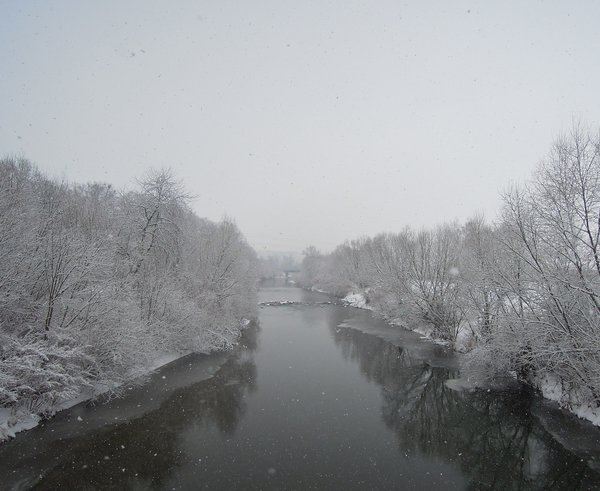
(359, 301)
(18, 419)
(548, 385)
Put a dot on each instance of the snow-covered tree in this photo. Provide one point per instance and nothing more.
(93, 283)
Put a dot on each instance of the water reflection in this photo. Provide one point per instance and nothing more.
(337, 408)
(495, 439)
(144, 453)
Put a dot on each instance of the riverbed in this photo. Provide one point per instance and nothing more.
(316, 396)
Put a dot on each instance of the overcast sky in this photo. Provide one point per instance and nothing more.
(308, 122)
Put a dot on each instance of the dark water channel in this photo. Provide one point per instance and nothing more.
(316, 397)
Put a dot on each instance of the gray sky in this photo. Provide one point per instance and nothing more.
(307, 122)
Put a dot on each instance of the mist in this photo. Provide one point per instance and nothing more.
(309, 123)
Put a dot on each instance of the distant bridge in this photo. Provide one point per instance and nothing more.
(288, 272)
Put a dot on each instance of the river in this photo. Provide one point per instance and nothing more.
(316, 396)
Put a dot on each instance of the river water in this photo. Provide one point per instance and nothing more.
(317, 396)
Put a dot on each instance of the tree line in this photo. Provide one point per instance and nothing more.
(274, 266)
(96, 283)
(521, 294)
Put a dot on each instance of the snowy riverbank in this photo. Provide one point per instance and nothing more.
(359, 301)
(15, 420)
(548, 385)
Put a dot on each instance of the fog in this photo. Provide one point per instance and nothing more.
(306, 122)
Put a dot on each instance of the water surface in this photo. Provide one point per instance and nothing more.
(315, 397)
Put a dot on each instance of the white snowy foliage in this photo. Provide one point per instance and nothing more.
(95, 283)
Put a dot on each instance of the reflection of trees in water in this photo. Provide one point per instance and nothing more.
(494, 438)
(148, 448)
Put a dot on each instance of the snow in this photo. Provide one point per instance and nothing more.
(424, 330)
(465, 339)
(162, 359)
(11, 424)
(589, 412)
(552, 389)
(357, 300)
(21, 420)
(276, 303)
